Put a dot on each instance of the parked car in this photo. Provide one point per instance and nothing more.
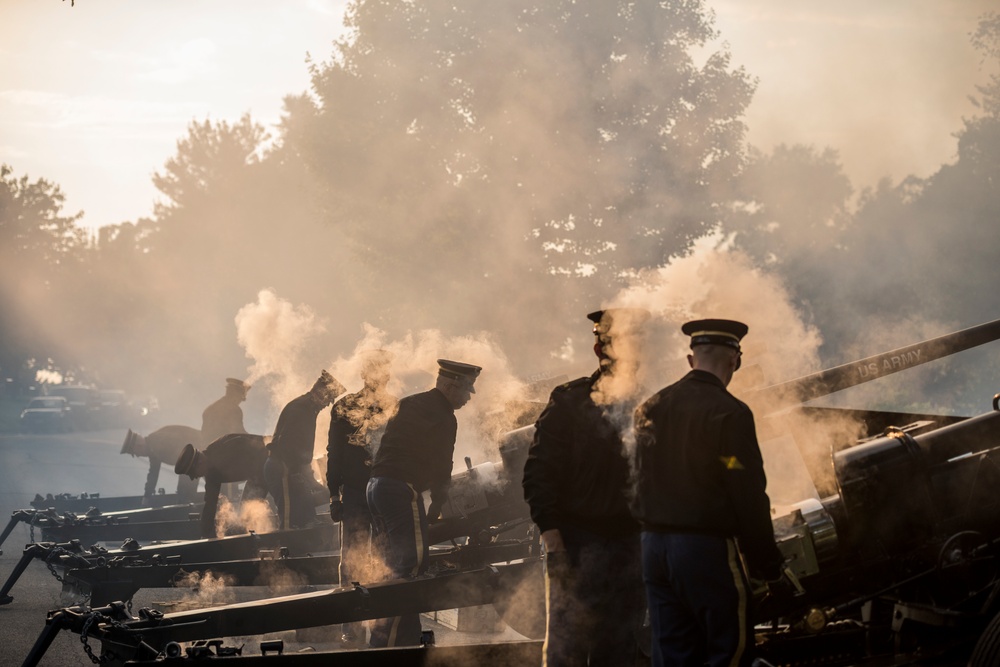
(47, 413)
(85, 403)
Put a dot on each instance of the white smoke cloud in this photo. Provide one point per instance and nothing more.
(274, 333)
(718, 282)
(414, 369)
(715, 281)
(712, 281)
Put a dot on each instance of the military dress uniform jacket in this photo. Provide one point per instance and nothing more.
(700, 469)
(295, 432)
(222, 417)
(419, 443)
(236, 457)
(349, 450)
(576, 472)
(164, 445)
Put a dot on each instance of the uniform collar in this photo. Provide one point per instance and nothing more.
(705, 376)
(444, 399)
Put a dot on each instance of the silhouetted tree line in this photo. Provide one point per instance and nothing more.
(501, 167)
(920, 251)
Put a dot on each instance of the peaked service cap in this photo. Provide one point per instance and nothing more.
(457, 370)
(715, 332)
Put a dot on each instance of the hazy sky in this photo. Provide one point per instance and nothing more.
(95, 96)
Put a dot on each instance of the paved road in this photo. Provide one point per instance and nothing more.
(90, 462)
(82, 462)
(85, 462)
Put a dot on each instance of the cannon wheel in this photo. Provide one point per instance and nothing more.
(987, 651)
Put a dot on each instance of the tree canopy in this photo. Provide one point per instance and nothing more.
(576, 139)
(500, 167)
(40, 256)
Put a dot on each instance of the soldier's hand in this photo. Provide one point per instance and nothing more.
(433, 512)
(336, 510)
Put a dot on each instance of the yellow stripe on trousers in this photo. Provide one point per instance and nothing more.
(733, 557)
(286, 515)
(418, 540)
(548, 617)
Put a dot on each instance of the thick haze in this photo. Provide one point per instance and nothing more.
(423, 200)
(94, 97)
(469, 180)
(884, 83)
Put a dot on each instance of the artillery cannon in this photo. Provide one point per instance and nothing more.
(120, 578)
(124, 638)
(67, 502)
(313, 539)
(168, 522)
(918, 581)
(904, 559)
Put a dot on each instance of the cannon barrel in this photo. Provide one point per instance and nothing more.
(823, 383)
(899, 489)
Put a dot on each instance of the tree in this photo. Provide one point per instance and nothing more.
(40, 255)
(916, 257)
(238, 218)
(487, 154)
(986, 39)
(211, 156)
(790, 206)
(208, 185)
(32, 227)
(929, 240)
